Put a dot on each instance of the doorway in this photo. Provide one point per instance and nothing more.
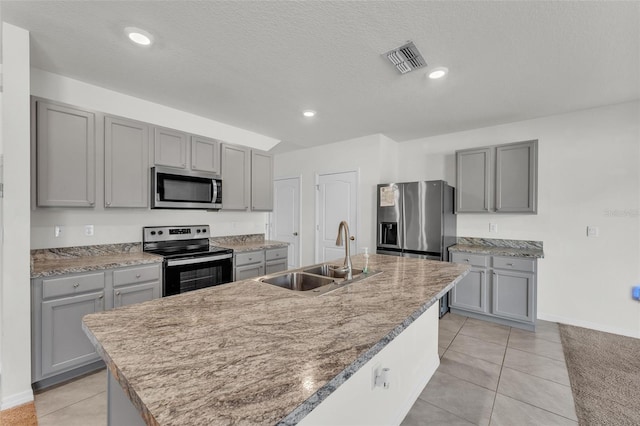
(336, 200)
(285, 219)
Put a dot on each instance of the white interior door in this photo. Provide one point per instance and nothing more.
(286, 216)
(336, 200)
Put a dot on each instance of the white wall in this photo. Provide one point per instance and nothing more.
(366, 155)
(15, 352)
(588, 167)
(125, 225)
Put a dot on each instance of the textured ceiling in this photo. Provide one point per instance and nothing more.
(257, 65)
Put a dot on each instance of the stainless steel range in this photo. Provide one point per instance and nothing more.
(189, 262)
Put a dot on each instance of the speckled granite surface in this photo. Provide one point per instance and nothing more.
(242, 243)
(66, 260)
(252, 353)
(497, 247)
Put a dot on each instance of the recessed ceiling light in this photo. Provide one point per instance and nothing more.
(139, 36)
(308, 113)
(438, 73)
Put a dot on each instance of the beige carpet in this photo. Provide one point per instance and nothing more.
(604, 370)
(23, 415)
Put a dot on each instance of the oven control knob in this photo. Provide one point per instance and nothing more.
(159, 232)
(204, 230)
(153, 232)
(198, 231)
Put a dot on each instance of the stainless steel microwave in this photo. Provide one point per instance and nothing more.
(184, 189)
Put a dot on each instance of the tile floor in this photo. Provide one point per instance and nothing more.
(489, 375)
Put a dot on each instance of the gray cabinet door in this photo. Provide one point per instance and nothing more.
(473, 177)
(516, 178)
(169, 148)
(236, 171)
(249, 271)
(471, 292)
(65, 156)
(274, 266)
(136, 293)
(205, 155)
(64, 344)
(513, 295)
(126, 163)
(261, 181)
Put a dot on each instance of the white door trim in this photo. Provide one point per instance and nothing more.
(317, 206)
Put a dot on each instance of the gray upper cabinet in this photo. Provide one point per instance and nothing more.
(474, 180)
(516, 180)
(261, 181)
(236, 177)
(126, 172)
(65, 156)
(497, 179)
(205, 154)
(170, 148)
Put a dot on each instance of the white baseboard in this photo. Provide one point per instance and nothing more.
(16, 399)
(591, 325)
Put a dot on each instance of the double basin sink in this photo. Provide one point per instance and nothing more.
(315, 280)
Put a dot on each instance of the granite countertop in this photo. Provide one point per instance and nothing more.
(497, 247)
(240, 247)
(249, 352)
(67, 260)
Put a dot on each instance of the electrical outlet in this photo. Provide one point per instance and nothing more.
(493, 227)
(57, 230)
(375, 372)
(593, 231)
(88, 230)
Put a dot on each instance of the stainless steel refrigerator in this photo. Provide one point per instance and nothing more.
(416, 219)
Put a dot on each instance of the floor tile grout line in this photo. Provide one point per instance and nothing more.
(504, 356)
(444, 409)
(535, 406)
(67, 406)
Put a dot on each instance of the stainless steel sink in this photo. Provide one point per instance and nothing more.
(330, 271)
(298, 281)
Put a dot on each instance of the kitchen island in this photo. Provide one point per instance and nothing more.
(252, 353)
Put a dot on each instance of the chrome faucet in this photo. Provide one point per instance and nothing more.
(344, 228)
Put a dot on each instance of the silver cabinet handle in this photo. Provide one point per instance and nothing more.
(108, 203)
(466, 260)
(138, 275)
(76, 285)
(117, 293)
(509, 264)
(101, 296)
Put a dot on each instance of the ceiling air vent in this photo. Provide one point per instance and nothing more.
(406, 58)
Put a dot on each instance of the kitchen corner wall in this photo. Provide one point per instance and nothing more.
(125, 225)
(374, 157)
(589, 164)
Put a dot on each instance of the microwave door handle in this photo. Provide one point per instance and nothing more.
(214, 190)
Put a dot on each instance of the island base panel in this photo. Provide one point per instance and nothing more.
(120, 410)
(412, 358)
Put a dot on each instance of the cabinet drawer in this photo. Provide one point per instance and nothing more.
(249, 257)
(55, 287)
(514, 263)
(136, 275)
(470, 259)
(278, 253)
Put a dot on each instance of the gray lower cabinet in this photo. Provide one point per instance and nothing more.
(503, 290)
(60, 348)
(170, 148)
(65, 152)
(497, 179)
(126, 163)
(260, 262)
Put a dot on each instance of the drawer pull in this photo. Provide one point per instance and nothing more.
(101, 296)
(138, 275)
(509, 264)
(466, 260)
(76, 285)
(117, 293)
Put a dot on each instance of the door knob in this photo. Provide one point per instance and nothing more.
(295, 234)
(352, 238)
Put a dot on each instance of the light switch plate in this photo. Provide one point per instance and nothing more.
(88, 230)
(57, 230)
(593, 231)
(493, 227)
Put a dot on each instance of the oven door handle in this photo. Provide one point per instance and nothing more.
(193, 260)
